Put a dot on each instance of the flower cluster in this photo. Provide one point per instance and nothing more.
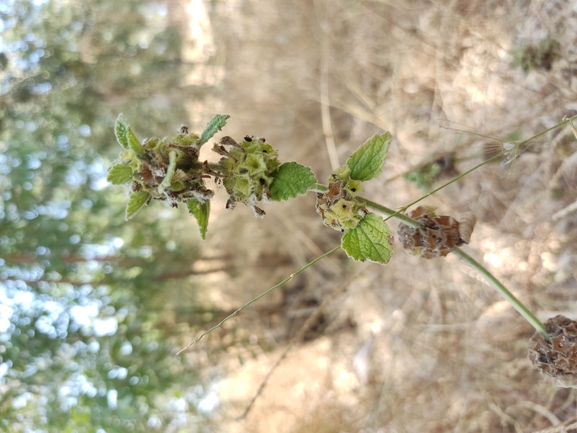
(249, 167)
(165, 169)
(337, 206)
(169, 170)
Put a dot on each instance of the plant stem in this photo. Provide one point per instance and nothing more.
(493, 158)
(497, 285)
(517, 305)
(455, 179)
(389, 212)
(286, 280)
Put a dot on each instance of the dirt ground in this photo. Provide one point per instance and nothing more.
(417, 345)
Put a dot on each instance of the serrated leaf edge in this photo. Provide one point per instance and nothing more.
(360, 152)
(212, 127)
(352, 231)
(121, 122)
(134, 212)
(297, 194)
(113, 167)
(197, 213)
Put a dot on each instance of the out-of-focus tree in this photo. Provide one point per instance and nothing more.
(82, 293)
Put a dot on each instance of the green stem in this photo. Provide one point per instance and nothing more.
(286, 280)
(319, 187)
(527, 315)
(389, 212)
(517, 305)
(499, 155)
(455, 179)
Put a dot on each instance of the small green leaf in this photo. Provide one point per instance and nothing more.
(126, 137)
(201, 213)
(135, 202)
(119, 174)
(133, 142)
(291, 180)
(120, 130)
(212, 127)
(370, 240)
(368, 160)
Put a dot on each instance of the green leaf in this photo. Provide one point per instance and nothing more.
(291, 180)
(120, 130)
(370, 240)
(201, 213)
(135, 202)
(133, 142)
(368, 160)
(126, 137)
(119, 174)
(212, 127)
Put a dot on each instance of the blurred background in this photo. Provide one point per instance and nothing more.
(93, 309)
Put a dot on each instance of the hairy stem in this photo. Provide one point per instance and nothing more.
(276, 286)
(497, 285)
(389, 212)
(517, 305)
(495, 157)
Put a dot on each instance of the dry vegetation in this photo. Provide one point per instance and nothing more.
(416, 346)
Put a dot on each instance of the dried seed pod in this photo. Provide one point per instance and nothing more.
(436, 235)
(229, 141)
(558, 356)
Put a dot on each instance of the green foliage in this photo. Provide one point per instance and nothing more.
(133, 142)
(214, 125)
(434, 167)
(251, 172)
(201, 212)
(67, 264)
(166, 169)
(135, 202)
(169, 170)
(370, 240)
(121, 131)
(367, 236)
(291, 180)
(339, 206)
(119, 174)
(537, 56)
(368, 160)
(424, 177)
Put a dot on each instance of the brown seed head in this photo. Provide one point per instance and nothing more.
(558, 356)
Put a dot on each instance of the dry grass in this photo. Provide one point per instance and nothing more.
(418, 345)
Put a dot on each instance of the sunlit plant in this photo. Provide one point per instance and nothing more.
(169, 169)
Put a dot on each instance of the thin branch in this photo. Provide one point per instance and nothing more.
(286, 280)
(491, 279)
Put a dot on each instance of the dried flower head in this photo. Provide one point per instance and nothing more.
(556, 357)
(436, 235)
